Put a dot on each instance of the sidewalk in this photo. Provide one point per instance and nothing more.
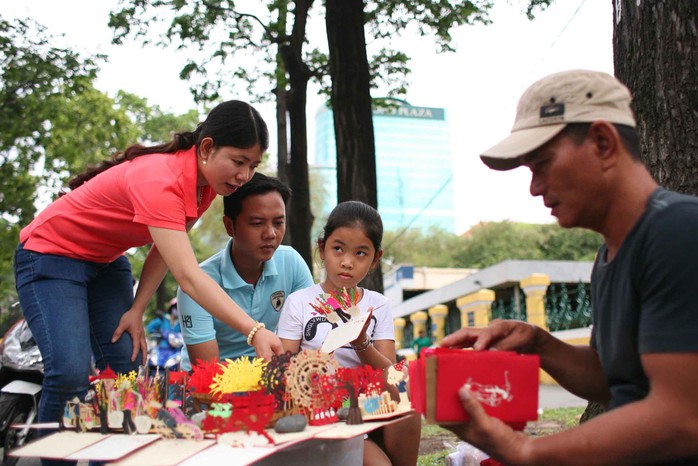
(554, 396)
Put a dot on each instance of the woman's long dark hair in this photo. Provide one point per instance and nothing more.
(233, 123)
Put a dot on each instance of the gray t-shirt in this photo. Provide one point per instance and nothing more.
(644, 299)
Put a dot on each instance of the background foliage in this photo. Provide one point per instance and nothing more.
(489, 243)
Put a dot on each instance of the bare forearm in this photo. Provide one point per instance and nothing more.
(576, 368)
(210, 296)
(206, 351)
(634, 434)
(152, 274)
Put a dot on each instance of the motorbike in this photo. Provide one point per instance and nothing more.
(21, 375)
(165, 356)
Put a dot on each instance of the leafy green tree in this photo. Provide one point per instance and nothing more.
(489, 243)
(574, 244)
(55, 124)
(432, 248)
(35, 80)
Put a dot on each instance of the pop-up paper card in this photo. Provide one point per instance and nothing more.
(340, 306)
(344, 334)
(505, 383)
(305, 377)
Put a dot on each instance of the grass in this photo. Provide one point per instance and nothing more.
(566, 417)
(433, 459)
(431, 430)
(551, 421)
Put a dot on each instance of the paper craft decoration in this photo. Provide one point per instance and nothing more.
(344, 334)
(238, 375)
(506, 383)
(303, 375)
(338, 305)
(274, 378)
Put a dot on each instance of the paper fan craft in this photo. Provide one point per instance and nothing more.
(238, 384)
(338, 305)
(303, 385)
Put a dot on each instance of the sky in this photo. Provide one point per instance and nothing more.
(478, 85)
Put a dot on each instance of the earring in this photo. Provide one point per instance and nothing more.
(204, 161)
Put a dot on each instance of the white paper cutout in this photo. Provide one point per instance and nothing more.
(491, 395)
(343, 334)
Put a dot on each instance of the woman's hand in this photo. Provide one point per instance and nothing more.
(132, 322)
(267, 344)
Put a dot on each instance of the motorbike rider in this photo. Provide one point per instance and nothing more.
(166, 330)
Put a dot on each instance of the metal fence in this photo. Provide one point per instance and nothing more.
(568, 308)
(565, 307)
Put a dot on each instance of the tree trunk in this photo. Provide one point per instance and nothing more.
(655, 47)
(300, 217)
(351, 106)
(281, 131)
(282, 148)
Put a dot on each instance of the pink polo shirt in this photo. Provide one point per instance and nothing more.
(111, 213)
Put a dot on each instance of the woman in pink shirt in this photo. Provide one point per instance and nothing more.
(73, 280)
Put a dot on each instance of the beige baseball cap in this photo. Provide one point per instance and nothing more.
(548, 105)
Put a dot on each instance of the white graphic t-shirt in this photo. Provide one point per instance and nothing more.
(299, 321)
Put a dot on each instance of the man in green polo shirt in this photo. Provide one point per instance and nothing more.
(422, 341)
(253, 268)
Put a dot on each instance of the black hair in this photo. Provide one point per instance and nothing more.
(355, 214)
(629, 136)
(258, 184)
(233, 123)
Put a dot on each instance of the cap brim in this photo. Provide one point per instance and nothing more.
(509, 152)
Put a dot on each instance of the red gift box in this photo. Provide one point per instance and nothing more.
(505, 383)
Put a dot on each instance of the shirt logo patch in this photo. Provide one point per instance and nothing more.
(186, 321)
(277, 300)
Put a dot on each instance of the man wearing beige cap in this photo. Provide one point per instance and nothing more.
(576, 132)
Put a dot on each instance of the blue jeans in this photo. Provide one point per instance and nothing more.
(72, 308)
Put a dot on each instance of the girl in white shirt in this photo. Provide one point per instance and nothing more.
(350, 247)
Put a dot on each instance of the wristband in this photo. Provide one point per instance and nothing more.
(253, 332)
(363, 346)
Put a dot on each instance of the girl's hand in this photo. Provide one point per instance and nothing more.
(267, 344)
(362, 336)
(132, 322)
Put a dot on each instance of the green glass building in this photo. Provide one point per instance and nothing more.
(413, 162)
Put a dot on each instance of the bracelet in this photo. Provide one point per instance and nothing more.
(363, 346)
(253, 332)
